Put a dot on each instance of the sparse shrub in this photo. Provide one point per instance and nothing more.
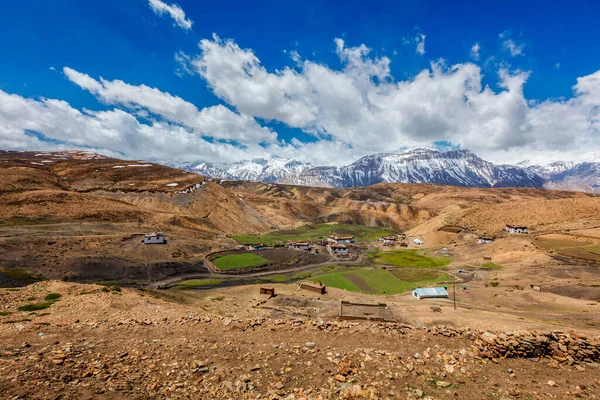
(31, 298)
(494, 284)
(52, 296)
(220, 298)
(36, 306)
(5, 313)
(105, 289)
(115, 288)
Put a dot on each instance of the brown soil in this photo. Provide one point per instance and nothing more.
(95, 343)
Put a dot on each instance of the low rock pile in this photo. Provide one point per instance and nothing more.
(564, 348)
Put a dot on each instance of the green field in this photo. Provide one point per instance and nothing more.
(237, 261)
(192, 283)
(379, 280)
(409, 258)
(315, 233)
(491, 265)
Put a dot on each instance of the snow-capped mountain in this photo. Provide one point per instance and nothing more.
(259, 169)
(555, 167)
(567, 175)
(457, 167)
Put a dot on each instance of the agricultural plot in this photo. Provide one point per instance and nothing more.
(570, 247)
(379, 280)
(315, 233)
(238, 261)
(409, 258)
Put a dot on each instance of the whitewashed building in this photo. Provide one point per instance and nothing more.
(257, 246)
(340, 239)
(516, 229)
(154, 238)
(339, 249)
(387, 239)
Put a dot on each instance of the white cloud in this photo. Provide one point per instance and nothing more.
(352, 111)
(174, 11)
(475, 51)
(513, 48)
(420, 40)
(557, 65)
(217, 122)
(363, 107)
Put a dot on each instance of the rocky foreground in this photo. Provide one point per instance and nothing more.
(96, 342)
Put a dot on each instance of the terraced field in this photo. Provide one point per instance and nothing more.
(569, 247)
(238, 261)
(409, 258)
(380, 280)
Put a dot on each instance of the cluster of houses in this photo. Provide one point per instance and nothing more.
(489, 238)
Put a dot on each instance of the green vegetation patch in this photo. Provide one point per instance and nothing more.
(595, 249)
(36, 306)
(379, 280)
(16, 277)
(409, 258)
(315, 233)
(5, 313)
(237, 261)
(491, 265)
(52, 296)
(274, 279)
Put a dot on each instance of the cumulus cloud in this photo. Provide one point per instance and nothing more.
(174, 11)
(217, 122)
(475, 51)
(363, 107)
(557, 65)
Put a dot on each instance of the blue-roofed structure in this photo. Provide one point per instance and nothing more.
(430, 293)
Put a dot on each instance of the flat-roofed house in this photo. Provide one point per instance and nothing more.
(340, 239)
(303, 245)
(430, 293)
(339, 248)
(387, 239)
(154, 238)
(257, 246)
(486, 239)
(516, 229)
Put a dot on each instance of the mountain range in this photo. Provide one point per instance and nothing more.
(455, 167)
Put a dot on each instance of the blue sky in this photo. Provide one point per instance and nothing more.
(339, 100)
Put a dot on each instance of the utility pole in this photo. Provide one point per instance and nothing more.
(454, 287)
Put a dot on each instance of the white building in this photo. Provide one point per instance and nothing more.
(340, 239)
(154, 238)
(387, 239)
(430, 293)
(418, 241)
(304, 245)
(485, 239)
(516, 229)
(339, 248)
(257, 246)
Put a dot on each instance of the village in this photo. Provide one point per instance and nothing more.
(300, 262)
